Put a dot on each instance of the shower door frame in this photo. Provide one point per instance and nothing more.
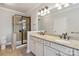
(29, 29)
(14, 43)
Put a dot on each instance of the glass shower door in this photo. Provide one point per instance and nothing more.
(26, 27)
(16, 29)
(21, 25)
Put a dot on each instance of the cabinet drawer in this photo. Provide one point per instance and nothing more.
(41, 41)
(62, 54)
(47, 43)
(50, 52)
(62, 48)
(56, 46)
(76, 52)
(38, 39)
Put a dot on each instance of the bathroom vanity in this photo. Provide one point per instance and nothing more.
(57, 22)
(46, 45)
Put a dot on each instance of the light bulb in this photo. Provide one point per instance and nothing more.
(42, 14)
(42, 11)
(60, 7)
(57, 5)
(45, 10)
(66, 5)
(48, 11)
(39, 13)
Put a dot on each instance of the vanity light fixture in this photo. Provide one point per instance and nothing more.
(66, 5)
(59, 6)
(47, 10)
(43, 11)
(39, 12)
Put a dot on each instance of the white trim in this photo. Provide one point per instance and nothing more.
(11, 10)
(9, 43)
(21, 46)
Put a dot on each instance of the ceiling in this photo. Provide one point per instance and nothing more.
(27, 7)
(22, 7)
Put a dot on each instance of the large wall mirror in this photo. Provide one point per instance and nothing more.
(58, 21)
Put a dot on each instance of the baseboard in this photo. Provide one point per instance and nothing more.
(9, 43)
(17, 43)
(24, 45)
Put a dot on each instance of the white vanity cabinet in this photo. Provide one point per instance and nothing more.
(42, 47)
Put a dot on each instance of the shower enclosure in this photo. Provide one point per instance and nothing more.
(21, 24)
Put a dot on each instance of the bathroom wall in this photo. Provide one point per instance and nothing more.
(6, 22)
(65, 20)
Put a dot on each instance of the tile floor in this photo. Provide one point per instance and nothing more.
(17, 52)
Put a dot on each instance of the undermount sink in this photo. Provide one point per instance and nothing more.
(63, 41)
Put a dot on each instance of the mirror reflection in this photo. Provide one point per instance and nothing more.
(63, 18)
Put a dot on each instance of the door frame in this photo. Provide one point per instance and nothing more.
(14, 40)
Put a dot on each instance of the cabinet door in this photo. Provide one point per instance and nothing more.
(61, 48)
(76, 52)
(63, 54)
(50, 52)
(39, 47)
(33, 45)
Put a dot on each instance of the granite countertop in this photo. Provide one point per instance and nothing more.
(70, 43)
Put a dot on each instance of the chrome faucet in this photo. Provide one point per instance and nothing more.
(43, 33)
(64, 36)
